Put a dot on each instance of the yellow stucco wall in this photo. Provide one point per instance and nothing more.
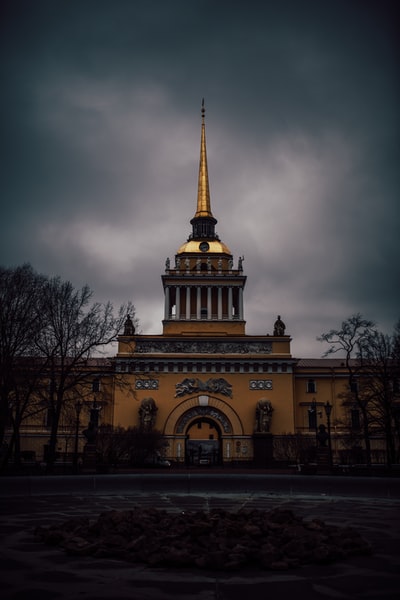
(239, 410)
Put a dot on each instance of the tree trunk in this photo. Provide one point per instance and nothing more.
(366, 438)
(52, 450)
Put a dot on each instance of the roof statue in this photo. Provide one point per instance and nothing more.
(279, 327)
(129, 328)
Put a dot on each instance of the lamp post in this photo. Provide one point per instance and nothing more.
(94, 414)
(313, 411)
(328, 410)
(313, 416)
(78, 408)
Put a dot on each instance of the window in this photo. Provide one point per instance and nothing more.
(96, 383)
(312, 418)
(353, 386)
(311, 386)
(355, 418)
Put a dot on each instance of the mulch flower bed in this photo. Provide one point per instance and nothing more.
(216, 540)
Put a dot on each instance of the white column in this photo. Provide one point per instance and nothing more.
(188, 290)
(198, 304)
(178, 302)
(220, 304)
(209, 306)
(166, 303)
(241, 304)
(230, 308)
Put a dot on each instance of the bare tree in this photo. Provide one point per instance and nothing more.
(24, 400)
(349, 340)
(294, 447)
(132, 445)
(71, 331)
(20, 292)
(381, 387)
(48, 334)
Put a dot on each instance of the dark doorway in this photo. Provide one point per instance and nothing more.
(203, 443)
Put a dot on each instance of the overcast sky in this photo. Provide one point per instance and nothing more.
(100, 144)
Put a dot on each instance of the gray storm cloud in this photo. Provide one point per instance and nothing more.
(100, 149)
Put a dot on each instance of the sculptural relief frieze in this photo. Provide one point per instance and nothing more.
(201, 347)
(203, 411)
(195, 385)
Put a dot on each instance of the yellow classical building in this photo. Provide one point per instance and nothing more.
(218, 395)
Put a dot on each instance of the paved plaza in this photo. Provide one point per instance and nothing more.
(29, 569)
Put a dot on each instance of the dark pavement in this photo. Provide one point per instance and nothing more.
(29, 569)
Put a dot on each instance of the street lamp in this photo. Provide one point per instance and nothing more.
(314, 418)
(328, 410)
(78, 408)
(94, 414)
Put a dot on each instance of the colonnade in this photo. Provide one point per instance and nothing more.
(195, 302)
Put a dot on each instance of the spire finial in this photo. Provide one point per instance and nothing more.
(203, 194)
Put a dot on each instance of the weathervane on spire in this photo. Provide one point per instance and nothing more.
(203, 110)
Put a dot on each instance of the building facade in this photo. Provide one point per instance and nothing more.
(218, 395)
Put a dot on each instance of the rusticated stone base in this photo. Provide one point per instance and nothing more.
(89, 459)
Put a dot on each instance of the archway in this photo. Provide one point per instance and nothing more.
(180, 430)
(203, 444)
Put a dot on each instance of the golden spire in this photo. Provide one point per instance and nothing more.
(203, 192)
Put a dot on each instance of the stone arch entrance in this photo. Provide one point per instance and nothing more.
(203, 442)
(201, 431)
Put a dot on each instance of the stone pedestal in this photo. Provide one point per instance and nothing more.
(322, 460)
(263, 450)
(89, 459)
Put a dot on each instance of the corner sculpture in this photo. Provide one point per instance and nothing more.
(264, 412)
(279, 327)
(129, 328)
(147, 414)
